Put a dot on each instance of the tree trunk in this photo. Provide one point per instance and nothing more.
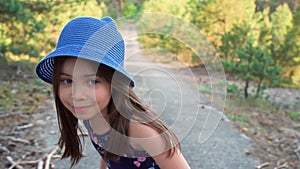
(246, 88)
(258, 87)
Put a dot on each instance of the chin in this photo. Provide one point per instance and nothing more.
(82, 117)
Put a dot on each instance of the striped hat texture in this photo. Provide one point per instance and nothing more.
(89, 38)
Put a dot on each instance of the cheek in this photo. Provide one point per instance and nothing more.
(103, 96)
(63, 94)
(65, 98)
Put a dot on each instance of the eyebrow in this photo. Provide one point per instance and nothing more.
(65, 74)
(87, 75)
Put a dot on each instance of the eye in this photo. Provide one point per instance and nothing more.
(94, 82)
(66, 81)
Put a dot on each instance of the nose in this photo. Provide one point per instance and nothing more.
(78, 92)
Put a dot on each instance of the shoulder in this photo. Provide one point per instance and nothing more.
(139, 130)
(145, 137)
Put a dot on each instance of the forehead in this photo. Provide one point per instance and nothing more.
(79, 66)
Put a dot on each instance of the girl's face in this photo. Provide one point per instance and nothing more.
(81, 91)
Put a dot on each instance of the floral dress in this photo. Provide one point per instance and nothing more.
(139, 160)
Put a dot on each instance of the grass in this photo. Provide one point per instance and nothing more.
(204, 89)
(19, 87)
(273, 129)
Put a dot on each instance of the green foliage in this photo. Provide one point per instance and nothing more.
(204, 89)
(24, 95)
(263, 50)
(118, 8)
(20, 91)
(216, 17)
(20, 20)
(293, 115)
(271, 25)
(233, 88)
(130, 9)
(252, 63)
(164, 42)
(176, 8)
(234, 117)
(30, 28)
(284, 47)
(169, 42)
(273, 4)
(240, 118)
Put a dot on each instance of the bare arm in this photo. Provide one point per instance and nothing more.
(148, 139)
(175, 161)
(102, 164)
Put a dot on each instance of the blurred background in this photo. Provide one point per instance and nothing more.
(258, 42)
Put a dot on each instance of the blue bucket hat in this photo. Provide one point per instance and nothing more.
(89, 38)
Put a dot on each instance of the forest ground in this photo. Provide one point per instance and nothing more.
(272, 124)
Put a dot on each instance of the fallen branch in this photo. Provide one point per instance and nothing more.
(13, 163)
(40, 165)
(39, 162)
(56, 156)
(285, 165)
(24, 163)
(263, 165)
(49, 157)
(296, 151)
(19, 140)
(24, 126)
(2, 148)
(9, 114)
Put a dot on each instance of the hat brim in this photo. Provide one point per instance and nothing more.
(44, 69)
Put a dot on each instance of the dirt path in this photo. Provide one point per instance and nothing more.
(155, 83)
(174, 94)
(226, 148)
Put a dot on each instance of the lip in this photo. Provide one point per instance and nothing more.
(80, 108)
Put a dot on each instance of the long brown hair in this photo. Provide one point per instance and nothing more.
(123, 106)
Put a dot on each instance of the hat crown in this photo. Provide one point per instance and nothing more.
(90, 33)
(89, 38)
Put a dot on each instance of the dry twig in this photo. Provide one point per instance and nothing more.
(40, 165)
(39, 162)
(13, 163)
(24, 126)
(10, 114)
(285, 165)
(2, 148)
(19, 140)
(296, 151)
(49, 157)
(263, 165)
(25, 163)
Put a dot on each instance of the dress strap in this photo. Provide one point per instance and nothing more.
(87, 125)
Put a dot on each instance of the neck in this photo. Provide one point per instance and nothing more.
(100, 123)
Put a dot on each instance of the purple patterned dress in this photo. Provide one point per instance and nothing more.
(137, 160)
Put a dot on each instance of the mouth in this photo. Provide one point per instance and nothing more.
(80, 108)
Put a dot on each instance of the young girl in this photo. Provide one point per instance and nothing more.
(90, 84)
